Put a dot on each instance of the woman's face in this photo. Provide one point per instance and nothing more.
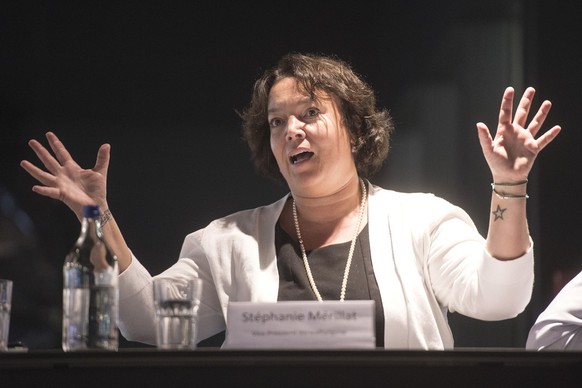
(311, 145)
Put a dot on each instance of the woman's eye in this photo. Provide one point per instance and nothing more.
(274, 123)
(312, 113)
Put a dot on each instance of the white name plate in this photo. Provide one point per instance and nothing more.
(301, 324)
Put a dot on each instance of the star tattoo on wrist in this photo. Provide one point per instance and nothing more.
(498, 213)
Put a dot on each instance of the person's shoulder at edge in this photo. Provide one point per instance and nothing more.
(559, 326)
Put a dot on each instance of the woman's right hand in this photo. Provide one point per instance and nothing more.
(65, 180)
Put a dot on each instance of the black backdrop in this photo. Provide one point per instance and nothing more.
(162, 83)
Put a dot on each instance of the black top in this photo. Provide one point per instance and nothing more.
(327, 267)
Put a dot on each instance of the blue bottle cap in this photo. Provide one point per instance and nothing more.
(91, 211)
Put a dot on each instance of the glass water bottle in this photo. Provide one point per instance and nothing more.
(90, 290)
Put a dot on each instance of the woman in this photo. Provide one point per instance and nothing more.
(313, 123)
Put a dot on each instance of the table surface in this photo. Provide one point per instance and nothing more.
(293, 368)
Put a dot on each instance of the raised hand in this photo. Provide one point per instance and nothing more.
(511, 154)
(65, 180)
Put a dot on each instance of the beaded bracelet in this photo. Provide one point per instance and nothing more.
(105, 217)
(509, 196)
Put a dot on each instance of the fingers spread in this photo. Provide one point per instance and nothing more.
(524, 106)
(547, 137)
(102, 162)
(484, 137)
(42, 176)
(50, 192)
(539, 118)
(58, 148)
(506, 107)
(45, 157)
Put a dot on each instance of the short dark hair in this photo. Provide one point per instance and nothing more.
(369, 127)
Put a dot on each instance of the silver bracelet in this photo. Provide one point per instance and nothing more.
(507, 196)
(105, 217)
(508, 184)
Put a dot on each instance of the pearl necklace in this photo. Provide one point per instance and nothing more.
(350, 254)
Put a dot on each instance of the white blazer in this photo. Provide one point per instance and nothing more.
(427, 254)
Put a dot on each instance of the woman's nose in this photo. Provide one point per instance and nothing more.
(295, 129)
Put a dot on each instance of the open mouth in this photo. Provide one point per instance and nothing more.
(300, 157)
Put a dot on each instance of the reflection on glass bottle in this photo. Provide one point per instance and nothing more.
(90, 290)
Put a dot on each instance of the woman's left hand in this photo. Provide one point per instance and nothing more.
(511, 154)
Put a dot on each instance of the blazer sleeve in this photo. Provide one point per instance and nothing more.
(559, 326)
(464, 276)
(136, 305)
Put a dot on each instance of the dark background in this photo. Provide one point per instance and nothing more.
(162, 82)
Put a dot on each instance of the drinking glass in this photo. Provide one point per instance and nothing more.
(5, 304)
(176, 302)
